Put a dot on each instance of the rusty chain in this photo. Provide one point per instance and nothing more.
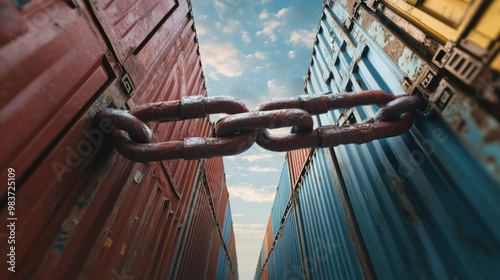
(237, 132)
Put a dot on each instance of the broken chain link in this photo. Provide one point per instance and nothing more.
(236, 133)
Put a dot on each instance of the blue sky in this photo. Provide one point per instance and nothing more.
(255, 50)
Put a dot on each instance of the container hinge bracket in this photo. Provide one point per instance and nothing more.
(458, 62)
(127, 84)
(424, 87)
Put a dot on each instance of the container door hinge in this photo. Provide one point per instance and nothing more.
(424, 86)
(127, 84)
(458, 62)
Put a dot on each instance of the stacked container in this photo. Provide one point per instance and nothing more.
(83, 211)
(422, 205)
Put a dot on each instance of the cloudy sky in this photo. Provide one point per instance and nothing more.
(254, 50)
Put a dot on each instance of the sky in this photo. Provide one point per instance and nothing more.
(254, 50)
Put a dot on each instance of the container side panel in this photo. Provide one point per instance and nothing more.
(297, 159)
(284, 190)
(228, 224)
(215, 176)
(221, 264)
(279, 259)
(270, 264)
(275, 213)
(195, 251)
(293, 259)
(213, 258)
(325, 232)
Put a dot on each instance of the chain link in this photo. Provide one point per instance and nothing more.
(236, 133)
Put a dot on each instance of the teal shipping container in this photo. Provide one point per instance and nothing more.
(423, 205)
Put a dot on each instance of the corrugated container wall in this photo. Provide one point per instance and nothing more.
(83, 211)
(422, 205)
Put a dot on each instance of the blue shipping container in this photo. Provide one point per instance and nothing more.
(279, 264)
(228, 222)
(221, 263)
(284, 189)
(329, 251)
(270, 263)
(293, 258)
(426, 203)
(276, 213)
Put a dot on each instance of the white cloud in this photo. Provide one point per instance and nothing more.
(285, 88)
(237, 215)
(249, 230)
(258, 55)
(248, 193)
(201, 30)
(262, 169)
(225, 58)
(291, 54)
(245, 37)
(230, 27)
(282, 13)
(252, 158)
(269, 29)
(302, 37)
(263, 15)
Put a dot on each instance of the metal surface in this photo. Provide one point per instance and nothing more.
(284, 191)
(436, 189)
(235, 134)
(279, 265)
(46, 84)
(99, 215)
(197, 244)
(296, 160)
(213, 258)
(271, 267)
(293, 260)
(276, 214)
(329, 249)
(215, 177)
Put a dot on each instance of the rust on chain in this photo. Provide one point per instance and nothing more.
(190, 148)
(124, 120)
(237, 133)
(394, 118)
(265, 119)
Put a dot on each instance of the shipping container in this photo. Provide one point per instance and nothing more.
(329, 250)
(83, 210)
(284, 190)
(270, 265)
(293, 258)
(275, 213)
(296, 160)
(415, 206)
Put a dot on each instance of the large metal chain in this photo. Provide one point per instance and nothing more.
(236, 133)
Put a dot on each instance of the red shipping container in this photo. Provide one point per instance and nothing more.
(85, 211)
(297, 160)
